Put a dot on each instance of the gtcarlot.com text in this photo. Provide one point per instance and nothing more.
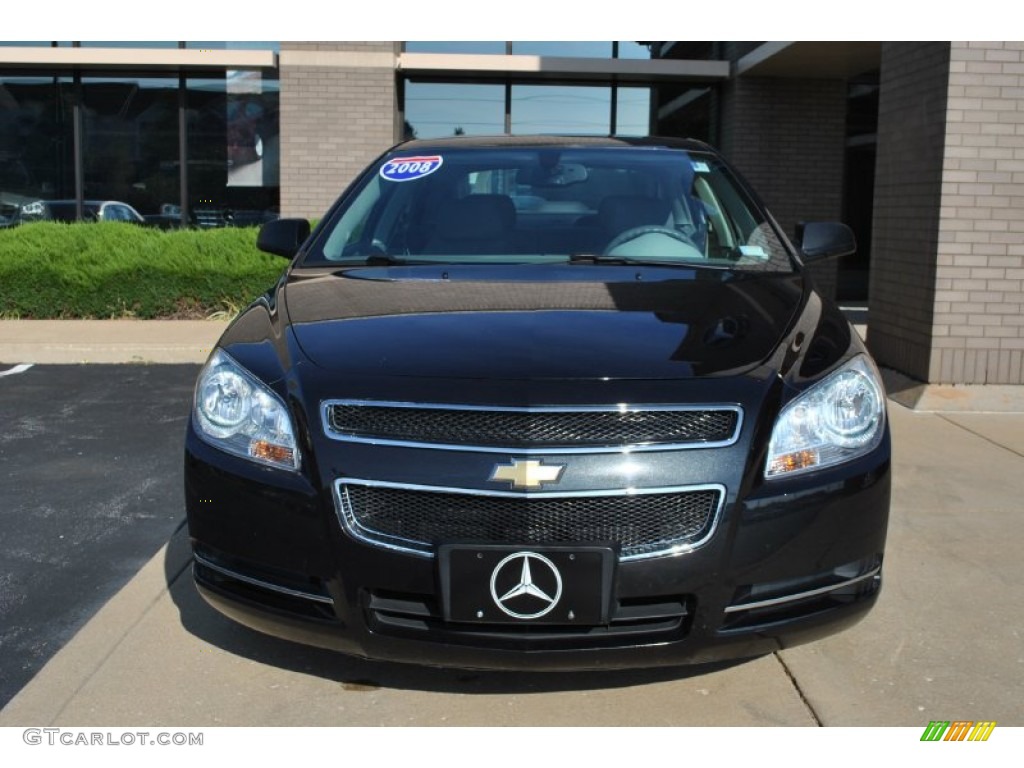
(70, 737)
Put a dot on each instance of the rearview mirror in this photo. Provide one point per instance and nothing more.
(824, 239)
(283, 237)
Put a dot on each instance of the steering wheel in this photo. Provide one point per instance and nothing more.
(646, 229)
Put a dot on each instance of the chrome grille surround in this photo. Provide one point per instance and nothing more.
(553, 429)
(534, 518)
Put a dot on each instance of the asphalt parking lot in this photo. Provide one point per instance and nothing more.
(94, 454)
(90, 472)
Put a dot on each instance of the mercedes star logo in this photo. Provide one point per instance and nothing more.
(519, 593)
(527, 473)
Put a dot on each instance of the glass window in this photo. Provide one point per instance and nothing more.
(597, 49)
(130, 140)
(129, 44)
(561, 109)
(234, 148)
(632, 50)
(36, 144)
(551, 204)
(433, 110)
(466, 46)
(633, 111)
(220, 45)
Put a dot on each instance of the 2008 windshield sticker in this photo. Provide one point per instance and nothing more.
(410, 168)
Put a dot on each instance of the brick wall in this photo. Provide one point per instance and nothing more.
(947, 272)
(787, 137)
(978, 320)
(908, 187)
(337, 114)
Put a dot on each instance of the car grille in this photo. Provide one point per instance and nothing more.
(642, 523)
(643, 621)
(554, 428)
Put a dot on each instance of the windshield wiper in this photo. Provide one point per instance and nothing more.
(601, 258)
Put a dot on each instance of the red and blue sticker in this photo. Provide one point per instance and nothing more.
(410, 168)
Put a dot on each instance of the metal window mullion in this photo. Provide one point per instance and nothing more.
(183, 147)
(508, 106)
(77, 138)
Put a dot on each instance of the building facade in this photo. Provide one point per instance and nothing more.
(918, 146)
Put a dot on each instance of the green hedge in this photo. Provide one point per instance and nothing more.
(109, 270)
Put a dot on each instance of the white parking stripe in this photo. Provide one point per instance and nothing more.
(16, 369)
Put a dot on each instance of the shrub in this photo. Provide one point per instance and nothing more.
(112, 269)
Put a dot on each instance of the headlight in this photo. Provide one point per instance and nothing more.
(836, 420)
(237, 413)
(33, 209)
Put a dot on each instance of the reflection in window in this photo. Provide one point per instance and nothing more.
(633, 50)
(464, 46)
(36, 144)
(233, 148)
(596, 49)
(633, 112)
(129, 44)
(561, 109)
(433, 110)
(220, 45)
(130, 141)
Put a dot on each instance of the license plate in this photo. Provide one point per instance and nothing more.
(526, 585)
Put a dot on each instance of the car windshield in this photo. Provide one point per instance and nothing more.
(550, 204)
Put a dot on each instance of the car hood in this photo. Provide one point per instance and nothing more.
(539, 322)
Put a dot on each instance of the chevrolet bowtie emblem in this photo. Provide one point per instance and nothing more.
(527, 474)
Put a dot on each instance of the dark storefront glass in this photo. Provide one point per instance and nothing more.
(130, 145)
(234, 148)
(130, 141)
(36, 142)
(433, 110)
(686, 109)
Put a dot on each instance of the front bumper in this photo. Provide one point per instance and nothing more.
(790, 561)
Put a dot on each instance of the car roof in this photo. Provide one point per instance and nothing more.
(84, 202)
(459, 142)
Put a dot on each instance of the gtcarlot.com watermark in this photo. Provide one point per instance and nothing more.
(70, 737)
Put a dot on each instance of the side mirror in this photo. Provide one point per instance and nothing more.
(283, 237)
(824, 239)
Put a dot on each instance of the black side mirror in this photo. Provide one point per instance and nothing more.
(824, 239)
(283, 237)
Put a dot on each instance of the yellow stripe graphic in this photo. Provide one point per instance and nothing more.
(982, 730)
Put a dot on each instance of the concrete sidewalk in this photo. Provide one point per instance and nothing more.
(945, 641)
(108, 341)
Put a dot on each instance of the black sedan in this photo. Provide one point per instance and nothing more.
(542, 403)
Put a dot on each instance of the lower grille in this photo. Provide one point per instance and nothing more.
(636, 622)
(643, 523)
